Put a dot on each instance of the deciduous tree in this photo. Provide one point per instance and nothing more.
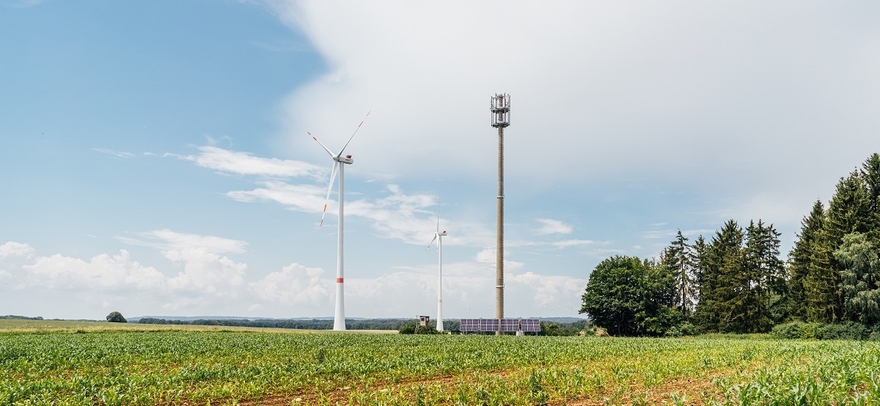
(629, 296)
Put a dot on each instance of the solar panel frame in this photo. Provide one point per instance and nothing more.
(531, 325)
(507, 325)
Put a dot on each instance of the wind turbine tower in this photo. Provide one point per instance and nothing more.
(339, 161)
(438, 235)
(500, 107)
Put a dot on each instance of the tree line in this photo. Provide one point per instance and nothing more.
(736, 281)
(306, 324)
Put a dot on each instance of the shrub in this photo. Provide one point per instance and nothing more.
(819, 331)
(846, 331)
(683, 329)
(116, 317)
(410, 328)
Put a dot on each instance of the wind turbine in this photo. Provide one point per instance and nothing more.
(438, 236)
(338, 161)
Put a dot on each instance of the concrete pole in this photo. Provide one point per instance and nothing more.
(499, 244)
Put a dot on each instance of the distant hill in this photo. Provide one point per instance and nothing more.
(12, 316)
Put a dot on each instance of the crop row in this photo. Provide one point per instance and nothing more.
(188, 367)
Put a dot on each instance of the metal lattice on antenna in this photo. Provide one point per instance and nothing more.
(500, 110)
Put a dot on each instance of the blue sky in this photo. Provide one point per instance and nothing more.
(156, 158)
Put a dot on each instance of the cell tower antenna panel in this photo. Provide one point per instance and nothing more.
(339, 162)
(500, 108)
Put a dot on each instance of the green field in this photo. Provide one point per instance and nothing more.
(101, 363)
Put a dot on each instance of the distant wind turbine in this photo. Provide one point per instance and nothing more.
(438, 236)
(339, 161)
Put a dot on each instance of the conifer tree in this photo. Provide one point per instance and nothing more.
(821, 283)
(848, 212)
(678, 259)
(870, 175)
(799, 261)
(763, 279)
(720, 287)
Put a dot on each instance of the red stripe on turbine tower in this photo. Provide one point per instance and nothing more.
(338, 164)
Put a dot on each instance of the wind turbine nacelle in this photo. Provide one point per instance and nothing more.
(443, 234)
(345, 159)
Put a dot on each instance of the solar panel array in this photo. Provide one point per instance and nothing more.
(531, 325)
(507, 325)
(478, 325)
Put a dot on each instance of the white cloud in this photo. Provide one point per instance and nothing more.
(15, 249)
(304, 198)
(296, 284)
(101, 272)
(554, 244)
(207, 280)
(118, 154)
(727, 99)
(549, 289)
(210, 282)
(398, 215)
(551, 226)
(243, 163)
(487, 255)
(168, 240)
(205, 270)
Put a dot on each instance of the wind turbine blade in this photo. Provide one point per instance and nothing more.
(352, 135)
(438, 223)
(329, 189)
(323, 146)
(432, 242)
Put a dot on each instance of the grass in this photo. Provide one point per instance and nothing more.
(84, 363)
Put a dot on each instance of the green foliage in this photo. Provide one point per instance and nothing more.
(415, 328)
(800, 264)
(860, 278)
(740, 284)
(116, 317)
(742, 281)
(628, 296)
(116, 367)
(768, 271)
(683, 329)
(679, 259)
(848, 212)
(555, 329)
(820, 331)
(795, 330)
(721, 261)
(870, 174)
